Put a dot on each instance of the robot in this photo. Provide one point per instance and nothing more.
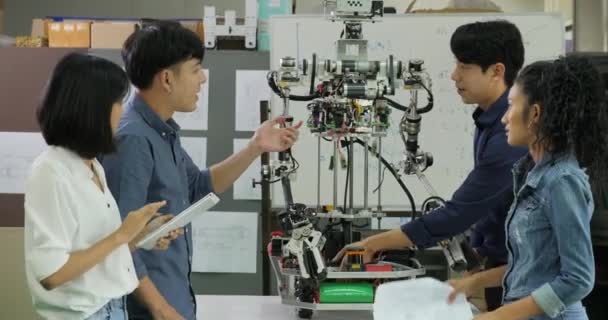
(349, 104)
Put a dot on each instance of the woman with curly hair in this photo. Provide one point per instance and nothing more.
(557, 109)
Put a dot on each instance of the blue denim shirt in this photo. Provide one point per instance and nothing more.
(151, 165)
(484, 198)
(549, 239)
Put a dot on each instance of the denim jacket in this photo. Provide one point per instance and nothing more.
(548, 234)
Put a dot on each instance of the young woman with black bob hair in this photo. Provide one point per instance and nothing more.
(77, 250)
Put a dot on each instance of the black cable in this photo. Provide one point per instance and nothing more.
(272, 83)
(430, 100)
(381, 181)
(391, 78)
(273, 86)
(423, 110)
(395, 175)
(396, 105)
(303, 98)
(296, 166)
(313, 74)
(347, 174)
(274, 181)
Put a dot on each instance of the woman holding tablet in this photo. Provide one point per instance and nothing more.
(78, 262)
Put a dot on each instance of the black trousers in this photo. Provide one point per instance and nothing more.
(493, 295)
(595, 302)
(493, 298)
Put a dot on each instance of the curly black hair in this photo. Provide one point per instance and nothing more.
(574, 118)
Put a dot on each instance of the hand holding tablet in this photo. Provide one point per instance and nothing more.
(180, 220)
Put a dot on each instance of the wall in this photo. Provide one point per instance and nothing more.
(589, 27)
(17, 114)
(1, 16)
(15, 302)
(521, 5)
(506, 5)
(311, 6)
(19, 13)
(566, 7)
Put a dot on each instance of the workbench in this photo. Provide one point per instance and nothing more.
(214, 307)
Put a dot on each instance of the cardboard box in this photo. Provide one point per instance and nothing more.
(196, 27)
(70, 35)
(111, 34)
(31, 42)
(40, 27)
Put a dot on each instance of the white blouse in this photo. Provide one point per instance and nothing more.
(65, 211)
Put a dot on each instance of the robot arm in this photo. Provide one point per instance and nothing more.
(305, 243)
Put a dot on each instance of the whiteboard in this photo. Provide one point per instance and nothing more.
(447, 131)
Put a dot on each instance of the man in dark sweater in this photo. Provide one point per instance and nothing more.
(488, 57)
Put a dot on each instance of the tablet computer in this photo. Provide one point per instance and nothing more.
(180, 220)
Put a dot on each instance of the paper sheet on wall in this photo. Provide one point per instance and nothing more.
(225, 242)
(18, 150)
(196, 147)
(196, 120)
(251, 88)
(243, 188)
(419, 299)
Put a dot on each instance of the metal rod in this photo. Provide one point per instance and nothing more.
(286, 93)
(268, 219)
(335, 168)
(287, 192)
(365, 177)
(379, 174)
(351, 164)
(604, 25)
(348, 224)
(426, 183)
(319, 173)
(413, 101)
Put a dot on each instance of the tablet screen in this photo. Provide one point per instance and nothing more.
(180, 220)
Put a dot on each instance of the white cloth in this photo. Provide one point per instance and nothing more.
(65, 211)
(419, 299)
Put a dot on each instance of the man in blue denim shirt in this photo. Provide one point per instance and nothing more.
(489, 55)
(557, 109)
(163, 60)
